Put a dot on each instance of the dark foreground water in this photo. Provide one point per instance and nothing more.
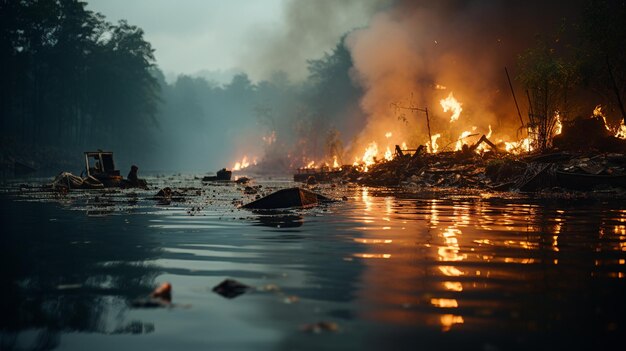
(390, 272)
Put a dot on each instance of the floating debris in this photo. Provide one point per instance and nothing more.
(231, 288)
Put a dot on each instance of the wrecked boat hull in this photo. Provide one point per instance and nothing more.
(286, 198)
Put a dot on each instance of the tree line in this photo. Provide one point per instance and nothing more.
(71, 78)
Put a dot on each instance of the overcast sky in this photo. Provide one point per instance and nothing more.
(257, 36)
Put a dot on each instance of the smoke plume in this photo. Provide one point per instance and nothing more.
(415, 53)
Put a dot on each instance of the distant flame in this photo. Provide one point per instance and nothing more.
(241, 165)
(432, 147)
(369, 157)
(270, 139)
(388, 154)
(310, 165)
(388, 135)
(403, 146)
(335, 163)
(558, 126)
(621, 131)
(483, 146)
(459, 143)
(440, 87)
(451, 104)
(597, 112)
(524, 145)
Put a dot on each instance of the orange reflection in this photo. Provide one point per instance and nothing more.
(444, 303)
(448, 320)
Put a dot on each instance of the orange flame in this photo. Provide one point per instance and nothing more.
(388, 154)
(241, 165)
(558, 126)
(621, 131)
(452, 104)
(432, 146)
(335, 163)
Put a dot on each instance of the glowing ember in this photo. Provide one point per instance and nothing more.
(388, 135)
(451, 104)
(440, 87)
(310, 165)
(432, 147)
(621, 131)
(241, 165)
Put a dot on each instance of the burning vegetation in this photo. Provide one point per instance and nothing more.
(437, 103)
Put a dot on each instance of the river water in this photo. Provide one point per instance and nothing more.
(381, 269)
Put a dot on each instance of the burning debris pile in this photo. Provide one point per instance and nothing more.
(586, 156)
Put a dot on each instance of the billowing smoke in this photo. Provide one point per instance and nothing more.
(309, 28)
(415, 53)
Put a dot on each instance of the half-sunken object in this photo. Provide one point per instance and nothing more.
(285, 198)
(231, 288)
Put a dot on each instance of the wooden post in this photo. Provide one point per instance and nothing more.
(514, 98)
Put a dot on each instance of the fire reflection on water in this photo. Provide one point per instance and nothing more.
(441, 262)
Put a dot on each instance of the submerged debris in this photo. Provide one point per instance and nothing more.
(231, 288)
(160, 297)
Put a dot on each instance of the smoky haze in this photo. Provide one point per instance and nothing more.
(405, 53)
(311, 80)
(411, 51)
(309, 29)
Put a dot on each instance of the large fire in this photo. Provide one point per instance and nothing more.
(374, 153)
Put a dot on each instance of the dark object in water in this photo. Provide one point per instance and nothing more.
(584, 181)
(222, 174)
(231, 288)
(133, 181)
(21, 169)
(103, 168)
(164, 292)
(285, 198)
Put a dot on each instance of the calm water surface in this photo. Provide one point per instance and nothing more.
(392, 272)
